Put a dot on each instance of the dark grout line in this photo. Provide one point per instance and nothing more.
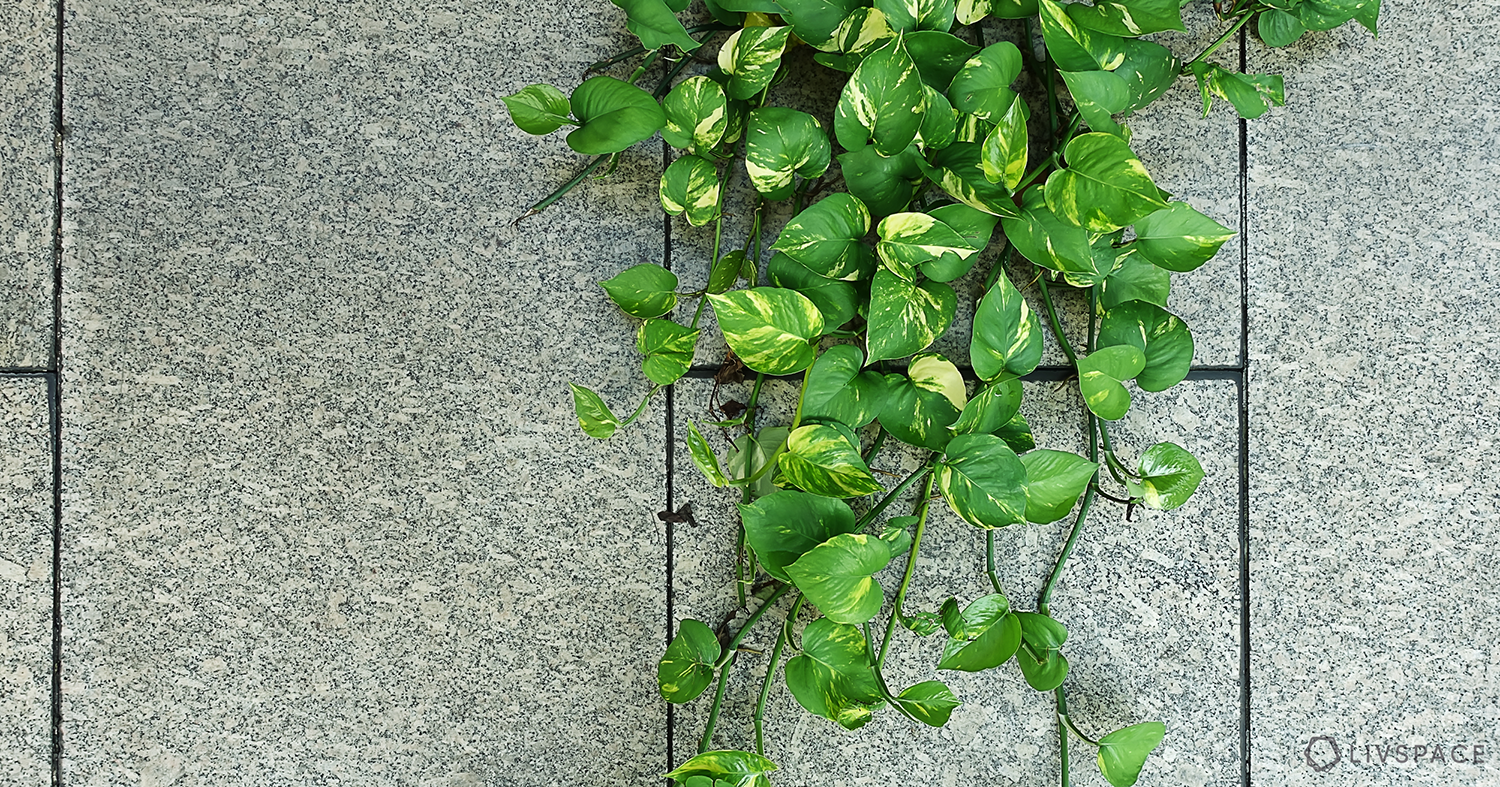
(671, 470)
(1244, 425)
(54, 385)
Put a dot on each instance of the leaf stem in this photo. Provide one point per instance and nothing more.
(989, 561)
(885, 689)
(765, 692)
(875, 445)
(739, 567)
(911, 568)
(641, 408)
(713, 711)
(1057, 330)
(891, 496)
(1062, 735)
(1223, 39)
(1067, 720)
(744, 631)
(1044, 601)
(563, 189)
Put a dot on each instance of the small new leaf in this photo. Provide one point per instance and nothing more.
(594, 416)
(538, 109)
(688, 666)
(1123, 753)
(1169, 476)
(646, 290)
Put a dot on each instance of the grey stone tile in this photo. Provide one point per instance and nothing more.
(28, 80)
(329, 516)
(1156, 636)
(1374, 505)
(26, 573)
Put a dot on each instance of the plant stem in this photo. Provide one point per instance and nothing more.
(646, 64)
(1044, 601)
(1062, 735)
(1067, 720)
(739, 572)
(989, 561)
(641, 408)
(765, 693)
(713, 711)
(911, 568)
(744, 631)
(1223, 39)
(1057, 330)
(885, 689)
(563, 189)
(875, 445)
(890, 497)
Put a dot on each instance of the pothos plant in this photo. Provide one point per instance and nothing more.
(939, 157)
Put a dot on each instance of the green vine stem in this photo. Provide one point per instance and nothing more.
(727, 660)
(765, 687)
(1223, 39)
(891, 497)
(923, 505)
(989, 561)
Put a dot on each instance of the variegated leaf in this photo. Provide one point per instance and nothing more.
(646, 290)
(913, 15)
(703, 456)
(975, 225)
(1047, 240)
(836, 390)
(687, 668)
(920, 407)
(838, 576)
(1101, 375)
(972, 128)
(833, 676)
(882, 102)
(1003, 156)
(1076, 48)
(939, 121)
(991, 408)
(750, 57)
(1165, 340)
(738, 768)
(594, 417)
(668, 348)
(822, 460)
(910, 239)
(957, 169)
(697, 115)
(982, 87)
(970, 11)
(1007, 335)
(838, 301)
(1179, 238)
(1099, 95)
(772, 330)
(825, 237)
(690, 188)
(983, 481)
(862, 31)
(782, 142)
(906, 318)
(817, 21)
(1128, 17)
(1169, 476)
(1105, 187)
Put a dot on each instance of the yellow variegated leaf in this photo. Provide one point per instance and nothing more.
(938, 374)
(750, 57)
(696, 112)
(690, 188)
(910, 239)
(822, 460)
(771, 329)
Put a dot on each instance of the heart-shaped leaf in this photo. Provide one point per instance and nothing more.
(1278, 28)
(690, 188)
(1251, 94)
(704, 458)
(1328, 14)
(668, 348)
(983, 636)
(771, 329)
(1105, 187)
(833, 677)
(1076, 48)
(750, 57)
(939, 122)
(862, 30)
(958, 170)
(912, 15)
(921, 406)
(1128, 17)
(646, 290)
(653, 22)
(837, 301)
(738, 768)
(697, 115)
(1041, 660)
(1123, 753)
(1007, 336)
(1047, 240)
(932, 702)
(1054, 481)
(1135, 280)
(538, 109)
(1098, 95)
(992, 407)
(976, 226)
(824, 461)
(970, 11)
(593, 414)
(1149, 70)
(1179, 238)
(982, 87)
(885, 184)
(688, 666)
(938, 56)
(1017, 434)
(910, 239)
(983, 481)
(836, 390)
(1003, 154)
(816, 21)
(825, 237)
(838, 576)
(726, 271)
(906, 318)
(784, 526)
(1100, 378)
(882, 102)
(614, 115)
(1169, 476)
(781, 142)
(1159, 334)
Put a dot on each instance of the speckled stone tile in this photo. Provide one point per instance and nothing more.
(1158, 640)
(28, 80)
(329, 517)
(1375, 509)
(26, 573)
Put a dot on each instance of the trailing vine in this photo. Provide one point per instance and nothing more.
(942, 155)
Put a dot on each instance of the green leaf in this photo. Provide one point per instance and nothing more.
(594, 416)
(750, 57)
(861, 31)
(1106, 257)
(824, 461)
(1054, 481)
(1017, 434)
(1014, 9)
(1169, 476)
(976, 227)
(783, 527)
(1007, 336)
(885, 184)
(991, 409)
(1149, 70)
(833, 676)
(983, 481)
(975, 129)
(1048, 668)
(825, 237)
(646, 290)
(931, 702)
(939, 121)
(1123, 753)
(882, 103)
(1047, 240)
(1105, 187)
(751, 460)
(614, 115)
(906, 318)
(1075, 48)
(697, 115)
(837, 301)
(1251, 94)
(690, 188)
(1100, 375)
(1098, 95)
(1003, 155)
(1165, 340)
(957, 169)
(668, 348)
(985, 635)
(1128, 17)
(912, 15)
(897, 535)
(968, 12)
(836, 389)
(688, 666)
(1135, 280)
(1367, 16)
(816, 21)
(653, 22)
(772, 330)
(1278, 28)
(838, 576)
(921, 406)
(1328, 14)
(938, 56)
(910, 239)
(782, 142)
(737, 768)
(982, 87)
(1179, 238)
(726, 271)
(704, 457)
(538, 109)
